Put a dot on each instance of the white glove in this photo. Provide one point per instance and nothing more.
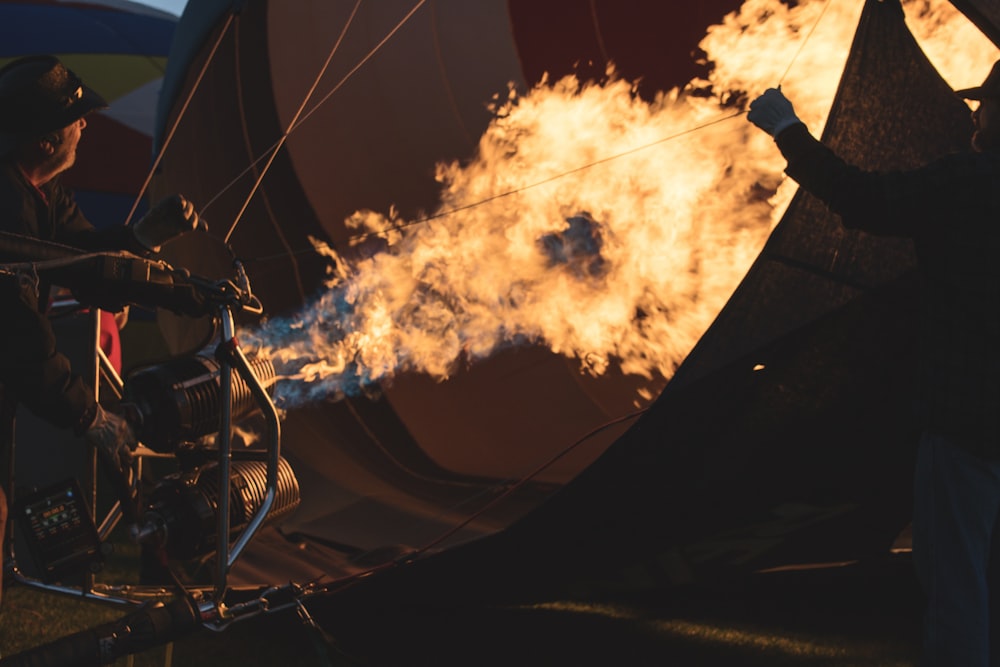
(169, 218)
(114, 439)
(772, 112)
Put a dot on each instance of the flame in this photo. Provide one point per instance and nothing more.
(604, 227)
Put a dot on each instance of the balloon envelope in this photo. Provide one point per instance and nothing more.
(576, 483)
(403, 467)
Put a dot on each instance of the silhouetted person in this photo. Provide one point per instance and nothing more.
(43, 111)
(951, 210)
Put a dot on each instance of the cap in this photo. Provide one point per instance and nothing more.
(990, 89)
(39, 95)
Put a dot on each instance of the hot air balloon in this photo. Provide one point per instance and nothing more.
(419, 448)
(423, 446)
(320, 139)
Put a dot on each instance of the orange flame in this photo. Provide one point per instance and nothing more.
(604, 227)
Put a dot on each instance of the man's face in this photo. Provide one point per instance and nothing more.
(64, 150)
(986, 118)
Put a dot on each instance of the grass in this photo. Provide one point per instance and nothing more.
(32, 618)
(844, 618)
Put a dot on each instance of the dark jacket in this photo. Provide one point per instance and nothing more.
(951, 210)
(32, 371)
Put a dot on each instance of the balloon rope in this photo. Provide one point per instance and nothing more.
(180, 115)
(802, 44)
(550, 179)
(339, 85)
(284, 137)
(241, 114)
(509, 193)
(369, 56)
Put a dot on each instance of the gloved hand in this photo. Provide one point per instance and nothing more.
(772, 112)
(169, 218)
(114, 439)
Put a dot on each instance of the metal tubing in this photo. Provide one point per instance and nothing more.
(114, 380)
(231, 358)
(107, 371)
(74, 591)
(91, 460)
(225, 451)
(274, 450)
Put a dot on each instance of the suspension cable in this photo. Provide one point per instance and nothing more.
(180, 115)
(326, 97)
(284, 137)
(803, 42)
(514, 191)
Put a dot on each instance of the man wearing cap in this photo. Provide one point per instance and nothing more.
(43, 112)
(951, 209)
